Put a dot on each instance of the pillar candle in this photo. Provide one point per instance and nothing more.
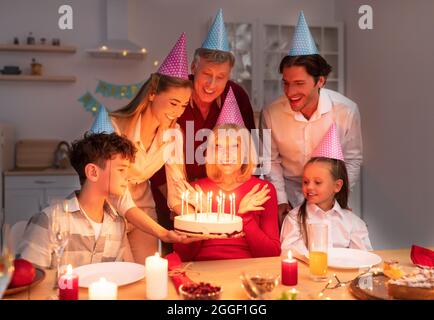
(68, 285)
(289, 271)
(103, 290)
(156, 277)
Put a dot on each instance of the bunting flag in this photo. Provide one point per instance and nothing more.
(118, 91)
(90, 103)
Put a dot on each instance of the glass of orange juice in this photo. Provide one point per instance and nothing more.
(318, 245)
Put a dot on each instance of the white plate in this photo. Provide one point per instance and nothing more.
(343, 258)
(121, 273)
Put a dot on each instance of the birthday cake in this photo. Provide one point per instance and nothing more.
(417, 285)
(209, 225)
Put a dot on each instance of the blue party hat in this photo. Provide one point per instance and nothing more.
(302, 42)
(102, 123)
(217, 38)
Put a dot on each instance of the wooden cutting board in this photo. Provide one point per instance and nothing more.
(35, 154)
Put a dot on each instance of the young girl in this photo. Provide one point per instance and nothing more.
(325, 188)
(256, 200)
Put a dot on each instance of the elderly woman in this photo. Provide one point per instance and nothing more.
(229, 167)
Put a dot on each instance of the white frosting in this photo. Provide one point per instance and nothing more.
(209, 223)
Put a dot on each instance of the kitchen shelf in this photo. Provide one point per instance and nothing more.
(116, 54)
(37, 48)
(5, 77)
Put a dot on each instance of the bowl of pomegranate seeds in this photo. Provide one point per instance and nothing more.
(200, 291)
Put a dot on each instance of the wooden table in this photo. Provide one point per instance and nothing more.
(226, 273)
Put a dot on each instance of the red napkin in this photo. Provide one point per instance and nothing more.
(422, 256)
(174, 262)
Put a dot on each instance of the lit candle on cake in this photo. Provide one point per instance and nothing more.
(182, 203)
(230, 204)
(218, 207)
(197, 206)
(201, 201)
(209, 202)
(156, 277)
(103, 290)
(186, 201)
(233, 203)
(289, 271)
(223, 203)
(68, 285)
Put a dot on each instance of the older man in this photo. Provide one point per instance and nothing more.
(211, 68)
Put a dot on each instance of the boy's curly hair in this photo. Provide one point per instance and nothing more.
(97, 148)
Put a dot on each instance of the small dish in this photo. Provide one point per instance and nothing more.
(265, 282)
(200, 291)
(39, 276)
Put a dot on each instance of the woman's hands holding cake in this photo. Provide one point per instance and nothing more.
(254, 199)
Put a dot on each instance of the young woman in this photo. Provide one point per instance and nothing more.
(154, 110)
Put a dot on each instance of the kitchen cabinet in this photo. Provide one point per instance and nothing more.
(27, 192)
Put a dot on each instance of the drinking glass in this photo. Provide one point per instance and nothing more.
(59, 232)
(6, 257)
(318, 247)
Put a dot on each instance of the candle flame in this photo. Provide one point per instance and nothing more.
(289, 254)
(69, 269)
(157, 254)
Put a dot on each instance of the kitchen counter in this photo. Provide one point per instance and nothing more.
(41, 172)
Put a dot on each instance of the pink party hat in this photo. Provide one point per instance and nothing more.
(230, 112)
(175, 64)
(330, 146)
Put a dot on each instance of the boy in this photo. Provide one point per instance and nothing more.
(97, 233)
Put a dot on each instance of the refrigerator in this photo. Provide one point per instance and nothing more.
(7, 155)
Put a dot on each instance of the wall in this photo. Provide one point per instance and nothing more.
(47, 110)
(389, 74)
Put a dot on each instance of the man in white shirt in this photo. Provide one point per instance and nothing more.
(301, 117)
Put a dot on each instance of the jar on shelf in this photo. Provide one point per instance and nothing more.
(30, 39)
(36, 69)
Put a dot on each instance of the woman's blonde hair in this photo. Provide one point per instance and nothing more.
(248, 151)
(156, 84)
